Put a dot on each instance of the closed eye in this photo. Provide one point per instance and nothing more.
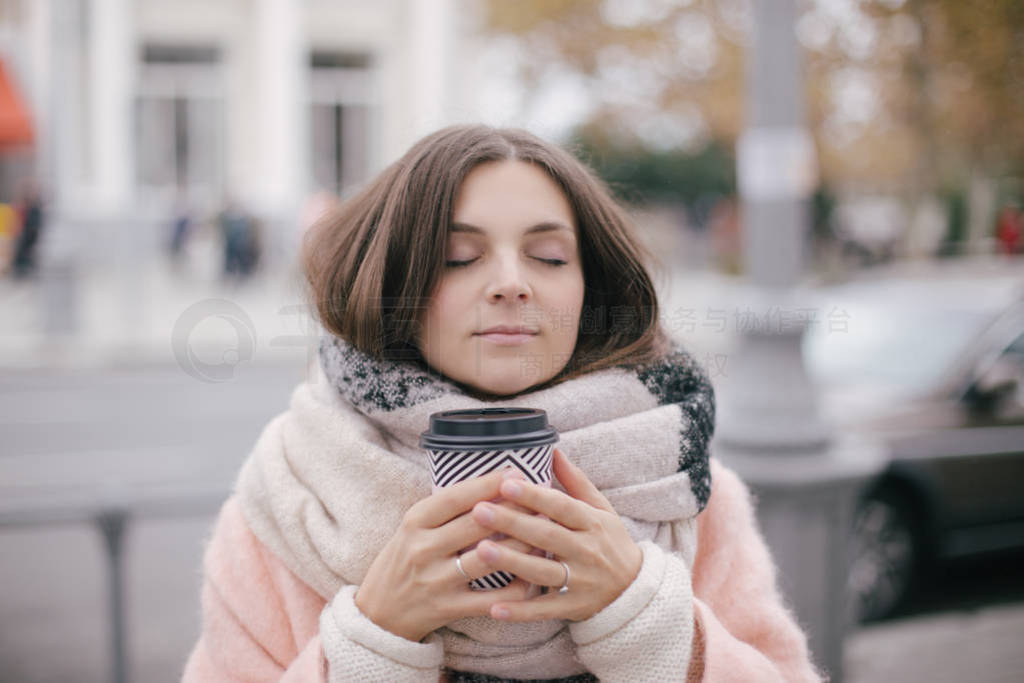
(549, 261)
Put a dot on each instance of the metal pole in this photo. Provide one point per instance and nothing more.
(112, 524)
(770, 431)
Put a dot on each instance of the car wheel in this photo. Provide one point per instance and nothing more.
(885, 555)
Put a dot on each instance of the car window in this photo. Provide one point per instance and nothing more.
(909, 348)
(1015, 351)
(1017, 347)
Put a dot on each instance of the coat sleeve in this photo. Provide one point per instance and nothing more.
(647, 633)
(723, 621)
(262, 623)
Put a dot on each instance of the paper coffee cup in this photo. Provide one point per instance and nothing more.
(463, 444)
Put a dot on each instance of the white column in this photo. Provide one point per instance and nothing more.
(40, 47)
(111, 62)
(432, 30)
(64, 163)
(283, 105)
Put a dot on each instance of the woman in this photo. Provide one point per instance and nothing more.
(483, 268)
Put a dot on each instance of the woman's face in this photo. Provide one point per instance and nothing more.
(512, 262)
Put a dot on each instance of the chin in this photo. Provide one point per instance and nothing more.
(505, 385)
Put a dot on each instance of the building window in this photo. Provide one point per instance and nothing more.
(179, 120)
(340, 105)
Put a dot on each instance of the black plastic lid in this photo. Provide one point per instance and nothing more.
(486, 428)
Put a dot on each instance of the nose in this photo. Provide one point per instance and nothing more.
(508, 281)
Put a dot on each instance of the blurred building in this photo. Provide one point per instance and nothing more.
(139, 103)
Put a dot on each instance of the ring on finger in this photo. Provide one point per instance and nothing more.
(458, 565)
(565, 584)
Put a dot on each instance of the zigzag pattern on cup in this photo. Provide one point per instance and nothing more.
(498, 579)
(449, 467)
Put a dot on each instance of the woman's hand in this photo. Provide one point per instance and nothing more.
(414, 585)
(584, 531)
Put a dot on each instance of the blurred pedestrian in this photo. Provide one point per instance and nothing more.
(1008, 230)
(241, 240)
(253, 246)
(181, 230)
(9, 220)
(30, 211)
(725, 234)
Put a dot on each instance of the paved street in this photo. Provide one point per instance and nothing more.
(982, 646)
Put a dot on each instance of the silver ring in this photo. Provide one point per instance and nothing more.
(565, 584)
(458, 564)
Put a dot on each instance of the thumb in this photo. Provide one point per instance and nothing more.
(576, 483)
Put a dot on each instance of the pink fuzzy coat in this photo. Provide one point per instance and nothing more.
(261, 623)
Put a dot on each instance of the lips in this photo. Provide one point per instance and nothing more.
(507, 335)
(509, 329)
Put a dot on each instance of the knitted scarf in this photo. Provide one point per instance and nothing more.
(328, 481)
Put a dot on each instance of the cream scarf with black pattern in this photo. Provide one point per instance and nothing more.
(328, 480)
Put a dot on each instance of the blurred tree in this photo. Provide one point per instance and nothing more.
(951, 78)
(665, 71)
(667, 176)
(904, 96)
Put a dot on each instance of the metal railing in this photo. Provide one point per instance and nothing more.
(111, 511)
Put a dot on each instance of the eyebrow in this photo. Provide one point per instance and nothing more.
(545, 226)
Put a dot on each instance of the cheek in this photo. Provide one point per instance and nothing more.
(567, 307)
(572, 296)
(447, 310)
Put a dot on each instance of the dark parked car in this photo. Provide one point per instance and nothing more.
(932, 361)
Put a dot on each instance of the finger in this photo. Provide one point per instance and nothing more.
(515, 544)
(511, 506)
(472, 563)
(531, 568)
(539, 532)
(464, 531)
(450, 502)
(563, 509)
(475, 566)
(550, 606)
(478, 603)
(576, 483)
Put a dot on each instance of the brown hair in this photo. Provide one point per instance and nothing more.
(372, 262)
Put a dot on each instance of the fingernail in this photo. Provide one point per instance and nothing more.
(512, 473)
(512, 489)
(484, 513)
(500, 612)
(487, 552)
